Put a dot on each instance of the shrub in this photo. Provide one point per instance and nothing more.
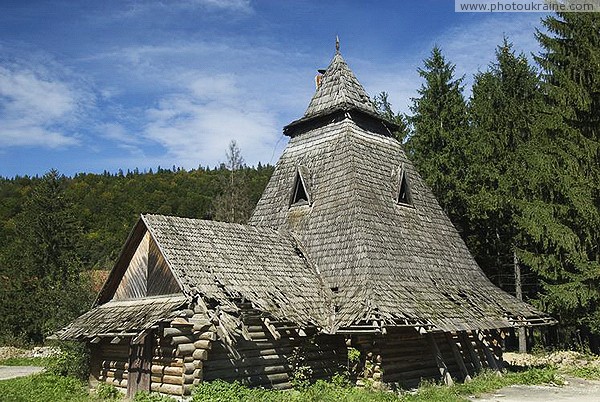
(108, 392)
(73, 361)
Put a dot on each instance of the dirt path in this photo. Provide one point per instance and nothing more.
(577, 390)
(7, 372)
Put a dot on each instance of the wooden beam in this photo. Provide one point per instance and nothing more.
(439, 360)
(458, 357)
(466, 344)
(481, 343)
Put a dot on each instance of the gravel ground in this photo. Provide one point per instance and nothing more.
(577, 390)
(7, 372)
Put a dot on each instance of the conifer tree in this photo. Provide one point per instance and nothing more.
(562, 223)
(439, 125)
(384, 108)
(504, 112)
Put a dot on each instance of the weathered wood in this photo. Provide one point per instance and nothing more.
(458, 357)
(483, 345)
(207, 335)
(171, 389)
(181, 339)
(202, 344)
(200, 354)
(117, 382)
(140, 361)
(466, 344)
(168, 379)
(185, 349)
(167, 370)
(169, 332)
(446, 377)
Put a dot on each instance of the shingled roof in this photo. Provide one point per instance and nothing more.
(388, 261)
(226, 261)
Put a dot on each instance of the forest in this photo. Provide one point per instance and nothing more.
(516, 166)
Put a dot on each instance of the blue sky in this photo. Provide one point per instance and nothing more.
(92, 85)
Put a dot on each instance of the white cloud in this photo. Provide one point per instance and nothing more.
(32, 105)
(195, 127)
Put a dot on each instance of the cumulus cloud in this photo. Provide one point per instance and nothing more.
(33, 106)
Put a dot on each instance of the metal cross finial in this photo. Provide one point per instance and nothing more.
(337, 43)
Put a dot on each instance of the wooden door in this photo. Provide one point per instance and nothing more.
(140, 361)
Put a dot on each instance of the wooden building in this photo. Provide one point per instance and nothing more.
(346, 247)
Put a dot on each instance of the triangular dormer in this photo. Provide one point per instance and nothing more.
(404, 195)
(300, 193)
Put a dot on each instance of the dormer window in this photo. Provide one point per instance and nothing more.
(404, 194)
(300, 194)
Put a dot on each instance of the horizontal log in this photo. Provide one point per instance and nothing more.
(203, 344)
(200, 354)
(244, 362)
(114, 373)
(181, 339)
(117, 382)
(185, 349)
(114, 364)
(170, 332)
(166, 370)
(207, 335)
(167, 379)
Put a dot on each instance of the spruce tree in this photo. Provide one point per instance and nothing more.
(439, 124)
(504, 112)
(562, 223)
(384, 108)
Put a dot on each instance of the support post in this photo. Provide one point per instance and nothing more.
(458, 357)
(466, 344)
(522, 335)
(482, 343)
(440, 360)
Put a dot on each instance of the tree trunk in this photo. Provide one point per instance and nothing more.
(519, 294)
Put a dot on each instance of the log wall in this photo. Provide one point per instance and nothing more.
(271, 356)
(111, 362)
(404, 357)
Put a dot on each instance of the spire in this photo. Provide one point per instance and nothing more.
(339, 90)
(337, 44)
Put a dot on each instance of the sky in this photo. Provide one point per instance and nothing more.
(88, 86)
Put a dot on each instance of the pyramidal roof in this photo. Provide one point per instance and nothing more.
(339, 90)
(388, 258)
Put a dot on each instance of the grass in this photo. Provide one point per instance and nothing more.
(44, 388)
(49, 387)
(26, 361)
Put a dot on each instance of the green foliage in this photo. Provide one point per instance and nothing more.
(437, 143)
(384, 108)
(142, 396)
(587, 372)
(44, 388)
(73, 361)
(62, 227)
(108, 392)
(562, 222)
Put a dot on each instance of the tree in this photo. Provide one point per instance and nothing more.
(233, 204)
(504, 112)
(562, 223)
(384, 108)
(438, 136)
(43, 287)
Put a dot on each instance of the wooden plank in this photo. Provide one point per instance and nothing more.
(446, 377)
(468, 346)
(458, 357)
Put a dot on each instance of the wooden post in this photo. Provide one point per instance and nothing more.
(458, 357)
(480, 339)
(440, 360)
(140, 366)
(466, 343)
(519, 294)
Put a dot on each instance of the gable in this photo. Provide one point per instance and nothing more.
(140, 271)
